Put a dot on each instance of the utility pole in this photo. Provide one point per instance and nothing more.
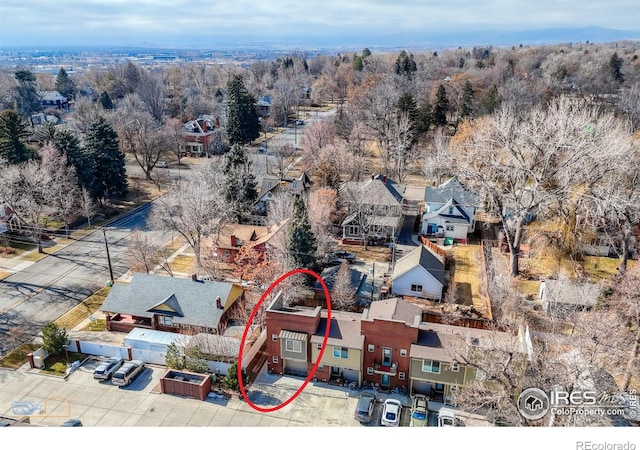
(106, 244)
(373, 280)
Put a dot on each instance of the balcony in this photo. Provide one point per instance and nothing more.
(383, 369)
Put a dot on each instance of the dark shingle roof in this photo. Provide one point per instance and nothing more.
(375, 191)
(423, 257)
(451, 189)
(195, 301)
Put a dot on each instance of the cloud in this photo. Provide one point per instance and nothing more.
(102, 21)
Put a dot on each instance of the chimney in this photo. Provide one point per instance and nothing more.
(384, 178)
(219, 302)
(373, 177)
(233, 240)
(194, 277)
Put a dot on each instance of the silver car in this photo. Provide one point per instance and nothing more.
(107, 368)
(126, 374)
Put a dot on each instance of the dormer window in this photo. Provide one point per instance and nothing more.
(450, 209)
(269, 184)
(293, 184)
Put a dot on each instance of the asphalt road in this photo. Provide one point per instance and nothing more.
(48, 288)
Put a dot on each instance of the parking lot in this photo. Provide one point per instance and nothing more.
(99, 403)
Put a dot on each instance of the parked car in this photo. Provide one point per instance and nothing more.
(299, 122)
(127, 373)
(391, 413)
(364, 408)
(446, 419)
(162, 164)
(419, 411)
(107, 368)
(342, 254)
(332, 262)
(72, 423)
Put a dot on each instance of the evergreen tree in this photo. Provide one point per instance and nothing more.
(441, 107)
(109, 175)
(27, 97)
(240, 184)
(466, 102)
(490, 101)
(105, 100)
(616, 64)
(424, 118)
(407, 104)
(405, 64)
(301, 244)
(67, 143)
(230, 381)
(243, 125)
(13, 138)
(365, 52)
(357, 63)
(65, 85)
(54, 338)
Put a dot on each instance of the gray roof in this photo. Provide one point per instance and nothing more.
(375, 191)
(188, 302)
(329, 276)
(421, 256)
(451, 189)
(458, 216)
(572, 293)
(51, 96)
(344, 330)
(394, 309)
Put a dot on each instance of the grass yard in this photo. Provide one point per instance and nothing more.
(16, 358)
(372, 254)
(57, 364)
(4, 275)
(468, 282)
(183, 263)
(98, 325)
(76, 315)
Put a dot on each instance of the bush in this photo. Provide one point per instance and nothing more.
(230, 381)
(54, 338)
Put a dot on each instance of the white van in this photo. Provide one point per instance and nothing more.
(125, 374)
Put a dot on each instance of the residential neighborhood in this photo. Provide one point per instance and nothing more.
(375, 237)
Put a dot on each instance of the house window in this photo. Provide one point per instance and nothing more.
(401, 375)
(416, 288)
(450, 228)
(371, 347)
(369, 370)
(403, 352)
(275, 360)
(386, 356)
(167, 321)
(319, 346)
(293, 184)
(269, 184)
(321, 367)
(455, 367)
(292, 345)
(430, 366)
(340, 352)
(353, 230)
(274, 337)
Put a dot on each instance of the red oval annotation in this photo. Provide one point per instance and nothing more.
(248, 326)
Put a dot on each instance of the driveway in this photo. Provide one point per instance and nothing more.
(103, 404)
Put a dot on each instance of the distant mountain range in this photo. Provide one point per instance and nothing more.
(343, 41)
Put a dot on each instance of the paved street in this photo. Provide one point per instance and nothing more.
(46, 289)
(102, 404)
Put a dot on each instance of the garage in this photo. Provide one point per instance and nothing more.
(351, 375)
(296, 368)
(421, 387)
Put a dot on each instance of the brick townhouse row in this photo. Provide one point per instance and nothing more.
(386, 345)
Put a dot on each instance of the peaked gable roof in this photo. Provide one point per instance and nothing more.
(451, 189)
(195, 301)
(423, 257)
(169, 307)
(458, 216)
(377, 190)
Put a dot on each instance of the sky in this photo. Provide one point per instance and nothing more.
(199, 22)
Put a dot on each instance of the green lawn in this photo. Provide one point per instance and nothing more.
(57, 364)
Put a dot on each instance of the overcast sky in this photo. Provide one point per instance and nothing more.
(80, 22)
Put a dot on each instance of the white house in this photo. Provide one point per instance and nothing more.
(450, 211)
(419, 274)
